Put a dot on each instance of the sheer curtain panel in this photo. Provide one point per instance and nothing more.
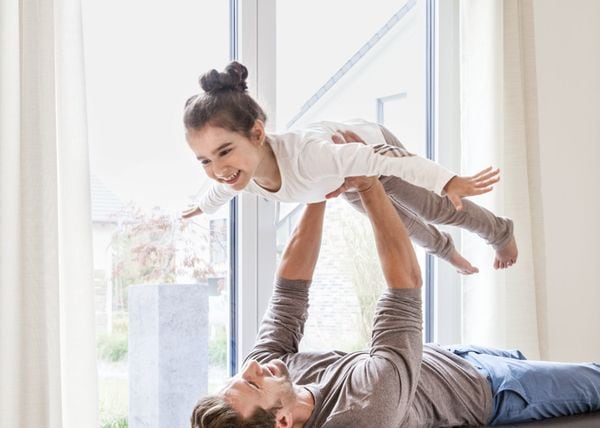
(499, 127)
(47, 339)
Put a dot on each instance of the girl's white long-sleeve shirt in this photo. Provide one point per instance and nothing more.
(311, 165)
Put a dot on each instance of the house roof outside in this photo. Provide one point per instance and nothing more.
(349, 64)
(105, 204)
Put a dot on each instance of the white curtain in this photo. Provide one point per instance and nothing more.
(47, 341)
(499, 127)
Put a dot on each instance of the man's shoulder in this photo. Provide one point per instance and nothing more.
(366, 415)
(358, 390)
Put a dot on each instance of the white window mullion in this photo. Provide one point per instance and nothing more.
(447, 305)
(256, 216)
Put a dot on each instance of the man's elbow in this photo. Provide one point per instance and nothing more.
(414, 279)
(406, 279)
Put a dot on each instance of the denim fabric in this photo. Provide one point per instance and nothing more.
(525, 390)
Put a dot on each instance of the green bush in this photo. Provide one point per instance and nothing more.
(120, 323)
(217, 348)
(113, 402)
(115, 422)
(112, 347)
(367, 277)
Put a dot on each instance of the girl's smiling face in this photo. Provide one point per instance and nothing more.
(228, 157)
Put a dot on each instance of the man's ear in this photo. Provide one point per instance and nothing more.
(284, 420)
(258, 132)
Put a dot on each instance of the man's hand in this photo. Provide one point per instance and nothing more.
(343, 137)
(191, 212)
(351, 184)
(478, 184)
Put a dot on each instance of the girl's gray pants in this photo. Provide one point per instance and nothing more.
(420, 209)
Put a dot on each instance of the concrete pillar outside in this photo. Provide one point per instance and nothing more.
(168, 353)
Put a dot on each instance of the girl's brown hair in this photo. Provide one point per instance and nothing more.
(225, 102)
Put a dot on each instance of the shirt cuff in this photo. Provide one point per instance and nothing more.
(405, 292)
(444, 176)
(292, 284)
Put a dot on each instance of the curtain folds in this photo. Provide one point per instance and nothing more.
(499, 127)
(47, 336)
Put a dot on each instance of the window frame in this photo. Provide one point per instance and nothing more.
(254, 253)
(447, 300)
(254, 219)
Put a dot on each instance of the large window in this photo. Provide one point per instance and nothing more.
(162, 285)
(142, 62)
(371, 63)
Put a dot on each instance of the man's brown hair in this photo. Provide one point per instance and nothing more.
(214, 412)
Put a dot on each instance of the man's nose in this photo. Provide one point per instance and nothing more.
(252, 370)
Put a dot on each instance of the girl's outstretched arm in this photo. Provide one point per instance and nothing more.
(191, 212)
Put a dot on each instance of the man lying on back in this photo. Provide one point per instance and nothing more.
(398, 381)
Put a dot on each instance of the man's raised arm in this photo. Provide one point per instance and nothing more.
(396, 253)
(302, 251)
(282, 326)
(393, 367)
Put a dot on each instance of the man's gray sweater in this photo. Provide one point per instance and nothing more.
(397, 382)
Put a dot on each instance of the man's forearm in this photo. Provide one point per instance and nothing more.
(397, 256)
(302, 251)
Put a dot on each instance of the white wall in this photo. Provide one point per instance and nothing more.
(567, 41)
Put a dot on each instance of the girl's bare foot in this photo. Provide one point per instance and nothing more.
(507, 255)
(461, 264)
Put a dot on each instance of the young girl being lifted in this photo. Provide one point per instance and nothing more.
(225, 128)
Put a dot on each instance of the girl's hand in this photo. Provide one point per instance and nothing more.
(478, 184)
(191, 212)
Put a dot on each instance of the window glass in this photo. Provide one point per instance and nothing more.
(161, 285)
(357, 61)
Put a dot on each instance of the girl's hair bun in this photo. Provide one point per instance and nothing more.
(225, 103)
(233, 79)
